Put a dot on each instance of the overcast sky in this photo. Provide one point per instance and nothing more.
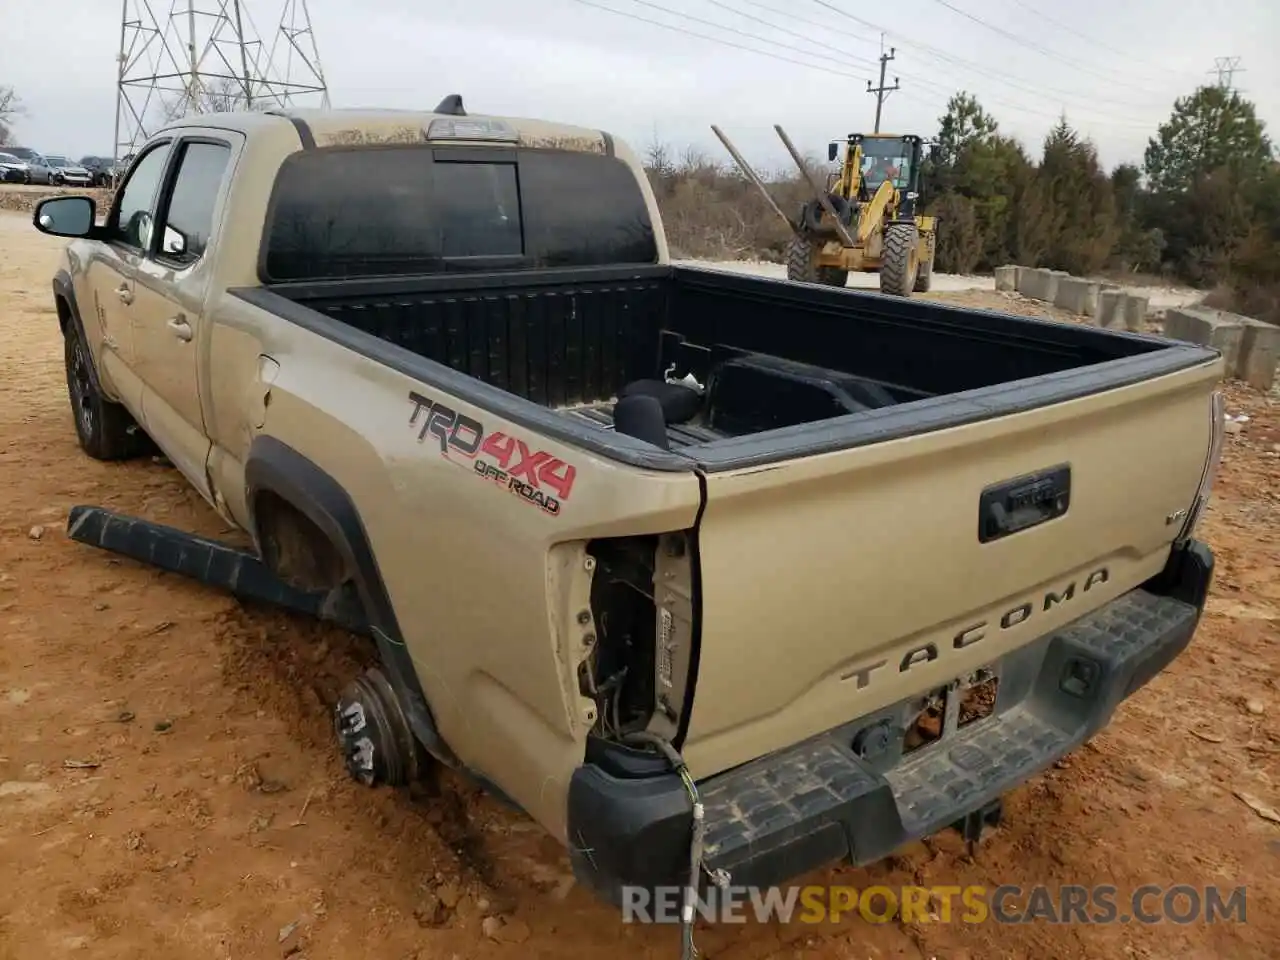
(1114, 67)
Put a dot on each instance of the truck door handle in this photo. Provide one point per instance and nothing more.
(181, 329)
(124, 293)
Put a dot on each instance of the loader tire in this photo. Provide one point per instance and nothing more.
(924, 278)
(801, 254)
(901, 265)
(833, 276)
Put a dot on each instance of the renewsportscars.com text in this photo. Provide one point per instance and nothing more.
(1066, 904)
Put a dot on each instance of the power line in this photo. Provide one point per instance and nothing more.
(803, 36)
(1023, 41)
(724, 43)
(843, 61)
(1102, 118)
(946, 91)
(1051, 94)
(1127, 55)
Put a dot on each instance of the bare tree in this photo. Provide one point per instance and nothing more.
(10, 108)
(217, 95)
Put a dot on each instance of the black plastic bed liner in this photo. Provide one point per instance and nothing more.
(680, 434)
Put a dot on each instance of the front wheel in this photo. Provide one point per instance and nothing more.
(105, 430)
(802, 257)
(901, 264)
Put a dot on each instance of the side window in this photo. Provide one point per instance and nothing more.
(188, 216)
(131, 222)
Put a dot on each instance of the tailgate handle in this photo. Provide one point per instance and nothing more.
(1012, 506)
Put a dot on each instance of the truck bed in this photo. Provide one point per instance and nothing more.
(784, 368)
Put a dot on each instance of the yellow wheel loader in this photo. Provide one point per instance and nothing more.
(863, 219)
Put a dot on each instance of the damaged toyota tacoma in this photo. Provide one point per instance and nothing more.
(834, 570)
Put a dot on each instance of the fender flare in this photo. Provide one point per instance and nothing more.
(65, 291)
(274, 467)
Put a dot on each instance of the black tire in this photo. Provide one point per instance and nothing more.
(106, 430)
(900, 265)
(815, 218)
(801, 254)
(833, 276)
(801, 265)
(924, 279)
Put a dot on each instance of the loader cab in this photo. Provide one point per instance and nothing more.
(885, 157)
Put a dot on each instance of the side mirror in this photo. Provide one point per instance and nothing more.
(832, 149)
(175, 242)
(65, 216)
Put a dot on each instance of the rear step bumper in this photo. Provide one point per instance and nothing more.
(775, 818)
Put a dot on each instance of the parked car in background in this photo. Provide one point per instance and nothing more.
(38, 169)
(67, 172)
(35, 170)
(25, 154)
(12, 169)
(101, 169)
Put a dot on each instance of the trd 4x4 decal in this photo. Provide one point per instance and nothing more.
(535, 476)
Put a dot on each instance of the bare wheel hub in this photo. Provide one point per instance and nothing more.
(377, 745)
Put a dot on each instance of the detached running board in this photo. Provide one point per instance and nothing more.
(229, 568)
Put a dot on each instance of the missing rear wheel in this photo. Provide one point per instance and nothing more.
(373, 733)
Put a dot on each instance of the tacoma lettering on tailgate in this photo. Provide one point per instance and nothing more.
(535, 476)
(928, 652)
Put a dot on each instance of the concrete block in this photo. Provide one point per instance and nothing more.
(1055, 278)
(1259, 354)
(1029, 280)
(1039, 284)
(1135, 309)
(1076, 295)
(1007, 277)
(1110, 313)
(1209, 328)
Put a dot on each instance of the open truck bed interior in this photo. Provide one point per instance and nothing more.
(598, 346)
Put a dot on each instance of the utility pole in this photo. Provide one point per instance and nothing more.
(1226, 68)
(882, 91)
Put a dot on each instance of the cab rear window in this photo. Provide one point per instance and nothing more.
(352, 212)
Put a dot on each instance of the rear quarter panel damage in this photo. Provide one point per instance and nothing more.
(479, 527)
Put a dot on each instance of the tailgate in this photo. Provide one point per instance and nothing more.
(837, 584)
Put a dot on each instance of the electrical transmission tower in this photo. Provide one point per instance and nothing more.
(1226, 68)
(882, 91)
(207, 56)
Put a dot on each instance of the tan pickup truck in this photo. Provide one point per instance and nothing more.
(854, 566)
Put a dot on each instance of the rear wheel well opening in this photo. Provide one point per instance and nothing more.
(294, 547)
